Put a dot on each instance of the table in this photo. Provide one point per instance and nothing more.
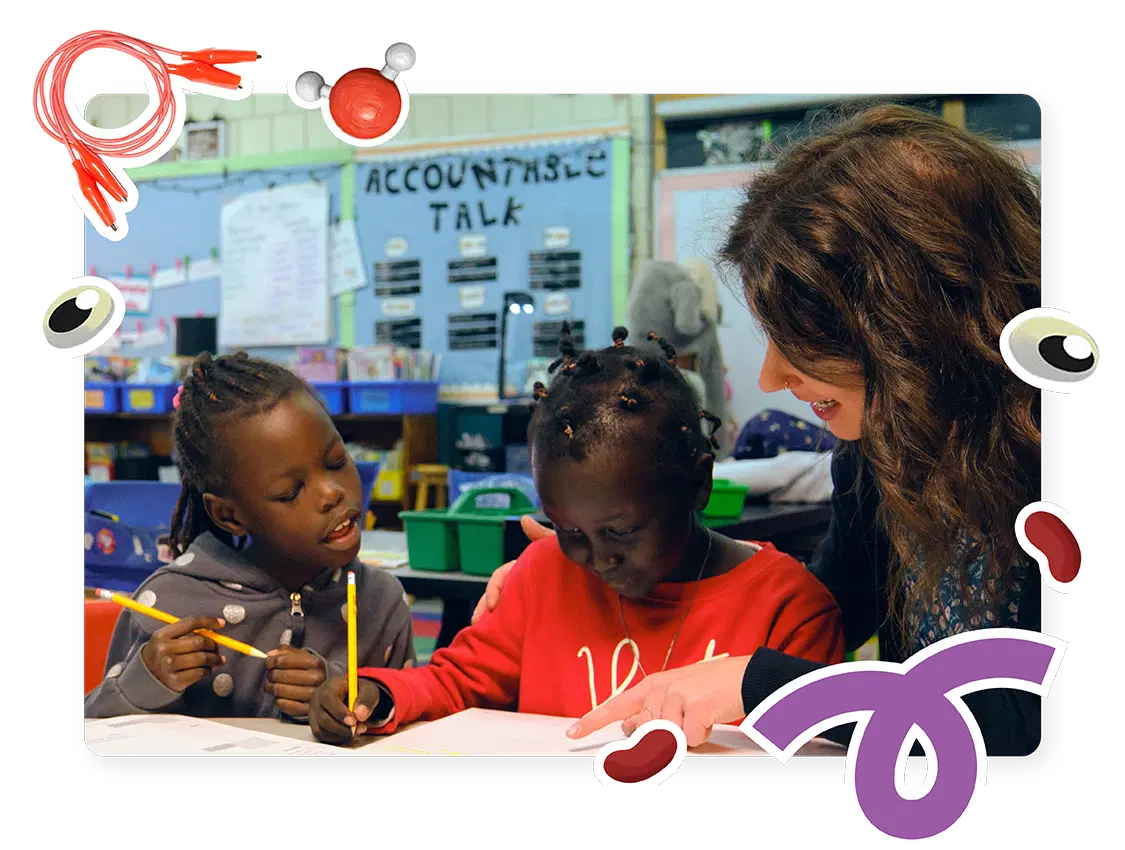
(484, 732)
(794, 528)
(297, 731)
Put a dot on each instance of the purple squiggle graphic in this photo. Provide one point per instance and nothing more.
(887, 700)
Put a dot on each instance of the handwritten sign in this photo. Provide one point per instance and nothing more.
(274, 246)
(468, 175)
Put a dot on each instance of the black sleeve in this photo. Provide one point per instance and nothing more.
(1010, 720)
(845, 561)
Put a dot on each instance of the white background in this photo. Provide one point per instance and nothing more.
(1062, 54)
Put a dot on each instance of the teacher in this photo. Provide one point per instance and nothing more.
(882, 259)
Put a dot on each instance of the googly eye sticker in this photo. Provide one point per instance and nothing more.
(1048, 351)
(84, 317)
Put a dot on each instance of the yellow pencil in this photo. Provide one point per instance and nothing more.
(353, 679)
(221, 640)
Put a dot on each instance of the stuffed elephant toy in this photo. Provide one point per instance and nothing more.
(679, 301)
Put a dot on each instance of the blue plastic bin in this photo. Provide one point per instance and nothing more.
(138, 504)
(102, 398)
(118, 556)
(375, 397)
(147, 398)
(334, 394)
(121, 542)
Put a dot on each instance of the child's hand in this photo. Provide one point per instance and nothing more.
(329, 717)
(178, 658)
(293, 676)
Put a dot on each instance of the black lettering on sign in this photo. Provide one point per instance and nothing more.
(438, 175)
(432, 176)
(411, 186)
(552, 168)
(437, 208)
(473, 271)
(455, 182)
(598, 155)
(554, 270)
(401, 332)
(472, 330)
(481, 170)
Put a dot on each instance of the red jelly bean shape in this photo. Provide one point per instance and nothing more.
(643, 759)
(1051, 536)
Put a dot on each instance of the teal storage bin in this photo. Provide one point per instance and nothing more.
(472, 539)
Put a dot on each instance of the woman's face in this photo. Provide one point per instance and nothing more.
(840, 408)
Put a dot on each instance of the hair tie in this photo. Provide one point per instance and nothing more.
(176, 398)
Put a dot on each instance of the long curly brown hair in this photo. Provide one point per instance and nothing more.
(891, 249)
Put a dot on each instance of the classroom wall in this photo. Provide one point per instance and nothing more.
(272, 123)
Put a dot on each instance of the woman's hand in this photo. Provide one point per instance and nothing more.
(491, 598)
(695, 698)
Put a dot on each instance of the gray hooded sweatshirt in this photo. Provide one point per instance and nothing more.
(211, 578)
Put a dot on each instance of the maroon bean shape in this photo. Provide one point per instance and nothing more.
(643, 759)
(1050, 535)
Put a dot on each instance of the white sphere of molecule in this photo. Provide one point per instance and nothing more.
(308, 86)
(400, 57)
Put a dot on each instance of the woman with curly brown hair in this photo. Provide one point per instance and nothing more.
(882, 258)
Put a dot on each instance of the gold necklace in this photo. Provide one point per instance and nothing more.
(683, 619)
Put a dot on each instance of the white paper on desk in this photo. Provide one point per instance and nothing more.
(480, 732)
(177, 735)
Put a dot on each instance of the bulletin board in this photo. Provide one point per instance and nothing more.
(444, 237)
(177, 222)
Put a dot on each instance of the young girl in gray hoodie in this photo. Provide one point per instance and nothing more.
(265, 531)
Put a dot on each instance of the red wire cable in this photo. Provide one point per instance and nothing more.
(54, 117)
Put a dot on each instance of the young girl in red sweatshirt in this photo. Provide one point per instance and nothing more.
(632, 584)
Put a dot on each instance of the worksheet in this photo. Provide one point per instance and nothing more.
(481, 732)
(176, 735)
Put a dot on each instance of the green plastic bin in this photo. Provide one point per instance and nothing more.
(727, 500)
(472, 539)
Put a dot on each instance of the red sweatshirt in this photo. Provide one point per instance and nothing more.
(555, 644)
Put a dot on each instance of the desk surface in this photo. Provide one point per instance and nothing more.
(501, 733)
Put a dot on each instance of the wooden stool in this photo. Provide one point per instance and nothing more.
(430, 475)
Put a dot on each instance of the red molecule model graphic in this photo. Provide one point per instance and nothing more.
(365, 104)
